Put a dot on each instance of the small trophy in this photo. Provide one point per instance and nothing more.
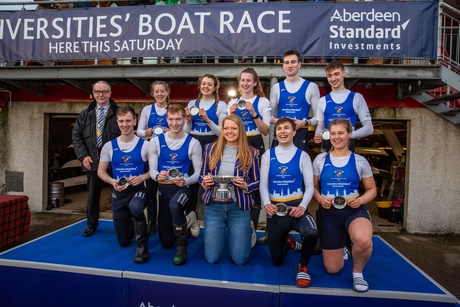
(282, 209)
(157, 130)
(223, 194)
(325, 135)
(123, 182)
(339, 202)
(194, 110)
(241, 104)
(173, 173)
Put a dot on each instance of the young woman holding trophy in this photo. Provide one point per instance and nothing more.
(229, 177)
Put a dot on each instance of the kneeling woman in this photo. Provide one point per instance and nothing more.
(337, 176)
(286, 182)
(229, 156)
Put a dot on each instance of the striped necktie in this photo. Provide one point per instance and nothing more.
(100, 127)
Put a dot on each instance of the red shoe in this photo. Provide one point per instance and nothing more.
(294, 243)
(303, 279)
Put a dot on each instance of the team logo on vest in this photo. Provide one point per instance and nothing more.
(291, 99)
(339, 173)
(173, 156)
(126, 158)
(160, 119)
(339, 109)
(244, 114)
(283, 169)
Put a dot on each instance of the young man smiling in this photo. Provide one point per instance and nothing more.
(294, 98)
(128, 156)
(341, 103)
(175, 160)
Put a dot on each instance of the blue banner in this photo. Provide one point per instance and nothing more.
(354, 29)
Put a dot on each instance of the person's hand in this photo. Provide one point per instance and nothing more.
(240, 183)
(207, 181)
(188, 116)
(162, 176)
(135, 180)
(149, 132)
(317, 138)
(179, 181)
(118, 187)
(250, 107)
(203, 115)
(271, 209)
(354, 202)
(297, 211)
(326, 202)
(299, 123)
(87, 162)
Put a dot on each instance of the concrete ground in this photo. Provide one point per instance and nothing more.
(437, 255)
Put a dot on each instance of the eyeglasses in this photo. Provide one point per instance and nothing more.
(101, 92)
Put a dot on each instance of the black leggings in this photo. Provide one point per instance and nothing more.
(126, 205)
(174, 201)
(279, 228)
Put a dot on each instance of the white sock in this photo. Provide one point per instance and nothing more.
(359, 287)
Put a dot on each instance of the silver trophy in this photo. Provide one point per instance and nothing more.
(339, 202)
(241, 104)
(282, 209)
(123, 182)
(173, 173)
(223, 194)
(157, 130)
(194, 110)
(325, 135)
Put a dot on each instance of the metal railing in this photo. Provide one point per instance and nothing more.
(448, 42)
(448, 50)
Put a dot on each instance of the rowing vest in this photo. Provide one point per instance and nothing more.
(339, 181)
(286, 180)
(127, 164)
(249, 125)
(293, 105)
(343, 110)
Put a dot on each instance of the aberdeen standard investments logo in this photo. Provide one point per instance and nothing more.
(366, 30)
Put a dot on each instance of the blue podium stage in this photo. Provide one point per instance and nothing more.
(66, 269)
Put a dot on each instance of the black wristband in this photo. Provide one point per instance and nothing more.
(255, 117)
